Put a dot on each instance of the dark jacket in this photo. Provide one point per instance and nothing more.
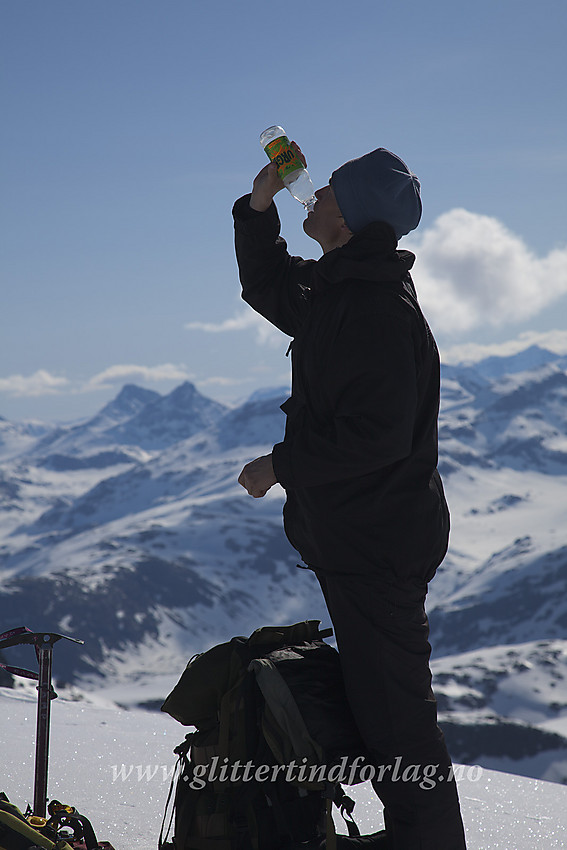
(358, 460)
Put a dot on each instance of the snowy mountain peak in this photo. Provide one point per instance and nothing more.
(129, 401)
(187, 396)
(495, 366)
(169, 419)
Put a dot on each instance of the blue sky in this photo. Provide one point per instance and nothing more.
(131, 126)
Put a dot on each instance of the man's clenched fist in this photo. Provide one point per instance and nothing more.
(258, 476)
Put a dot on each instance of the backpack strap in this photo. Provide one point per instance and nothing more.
(274, 636)
(335, 795)
(345, 805)
(181, 752)
(283, 708)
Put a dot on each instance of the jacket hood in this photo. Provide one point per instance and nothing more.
(369, 255)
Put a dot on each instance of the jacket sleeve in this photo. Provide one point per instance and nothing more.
(273, 282)
(373, 368)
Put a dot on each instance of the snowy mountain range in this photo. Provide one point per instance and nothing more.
(130, 531)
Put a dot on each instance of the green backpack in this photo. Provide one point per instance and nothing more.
(271, 719)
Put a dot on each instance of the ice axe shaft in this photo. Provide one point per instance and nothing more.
(46, 694)
(44, 648)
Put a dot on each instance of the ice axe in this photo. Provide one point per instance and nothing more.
(43, 643)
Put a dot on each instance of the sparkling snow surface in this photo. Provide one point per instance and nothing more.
(115, 767)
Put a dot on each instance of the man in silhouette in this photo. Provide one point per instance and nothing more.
(365, 506)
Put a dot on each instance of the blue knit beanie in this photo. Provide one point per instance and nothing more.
(377, 187)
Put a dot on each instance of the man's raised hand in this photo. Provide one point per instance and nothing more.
(267, 183)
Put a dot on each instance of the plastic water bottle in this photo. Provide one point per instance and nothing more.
(290, 168)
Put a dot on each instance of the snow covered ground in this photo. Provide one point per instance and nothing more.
(115, 766)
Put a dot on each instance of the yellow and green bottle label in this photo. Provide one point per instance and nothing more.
(281, 152)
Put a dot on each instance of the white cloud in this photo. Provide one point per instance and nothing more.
(132, 372)
(472, 271)
(246, 320)
(41, 382)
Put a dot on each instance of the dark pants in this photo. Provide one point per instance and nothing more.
(384, 652)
